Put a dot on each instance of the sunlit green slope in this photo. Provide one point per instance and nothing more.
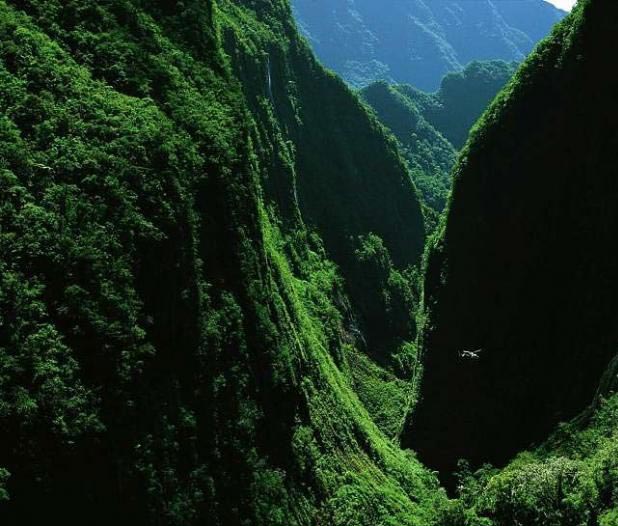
(201, 232)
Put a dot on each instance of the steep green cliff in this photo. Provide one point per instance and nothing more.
(520, 291)
(191, 252)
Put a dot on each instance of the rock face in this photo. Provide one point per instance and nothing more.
(418, 41)
(521, 295)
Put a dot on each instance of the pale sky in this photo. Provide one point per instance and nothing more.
(563, 4)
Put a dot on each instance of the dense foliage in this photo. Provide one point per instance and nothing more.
(571, 480)
(520, 285)
(190, 245)
(418, 42)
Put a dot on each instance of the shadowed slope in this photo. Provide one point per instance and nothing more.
(521, 294)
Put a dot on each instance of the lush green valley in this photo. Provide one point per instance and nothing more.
(219, 305)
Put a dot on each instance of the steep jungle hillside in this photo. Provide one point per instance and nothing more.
(417, 42)
(431, 127)
(571, 479)
(520, 291)
(206, 287)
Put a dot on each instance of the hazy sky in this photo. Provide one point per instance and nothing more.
(564, 4)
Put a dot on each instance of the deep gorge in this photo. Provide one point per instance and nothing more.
(236, 291)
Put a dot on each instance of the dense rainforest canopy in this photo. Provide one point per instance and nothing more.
(214, 304)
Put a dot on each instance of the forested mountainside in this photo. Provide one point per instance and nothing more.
(210, 293)
(431, 127)
(206, 283)
(417, 42)
(520, 292)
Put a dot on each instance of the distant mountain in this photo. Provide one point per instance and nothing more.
(462, 97)
(418, 41)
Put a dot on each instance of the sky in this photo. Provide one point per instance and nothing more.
(563, 4)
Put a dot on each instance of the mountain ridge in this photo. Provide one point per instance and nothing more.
(432, 127)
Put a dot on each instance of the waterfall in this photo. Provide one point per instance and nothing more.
(269, 82)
